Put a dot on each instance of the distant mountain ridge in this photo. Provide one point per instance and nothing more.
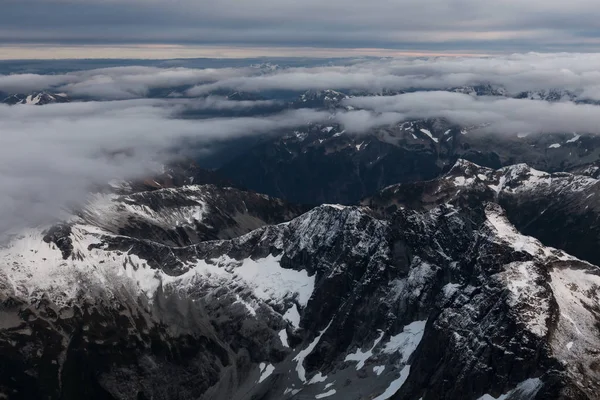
(36, 98)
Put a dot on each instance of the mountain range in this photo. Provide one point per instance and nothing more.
(418, 260)
(449, 288)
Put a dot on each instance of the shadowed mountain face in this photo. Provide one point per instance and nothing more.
(324, 163)
(427, 290)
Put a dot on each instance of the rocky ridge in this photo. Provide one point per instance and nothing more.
(37, 98)
(425, 291)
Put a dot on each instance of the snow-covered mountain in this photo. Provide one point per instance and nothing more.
(38, 98)
(428, 290)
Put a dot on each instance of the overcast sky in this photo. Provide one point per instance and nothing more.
(234, 28)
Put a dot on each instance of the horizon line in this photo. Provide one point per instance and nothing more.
(23, 52)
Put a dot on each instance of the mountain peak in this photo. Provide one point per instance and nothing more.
(36, 98)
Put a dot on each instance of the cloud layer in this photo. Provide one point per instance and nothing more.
(578, 73)
(51, 155)
(516, 73)
(492, 115)
(117, 82)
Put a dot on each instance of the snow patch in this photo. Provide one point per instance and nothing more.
(293, 316)
(462, 181)
(360, 356)
(318, 378)
(524, 390)
(449, 289)
(251, 310)
(575, 340)
(527, 296)
(378, 369)
(428, 133)
(265, 371)
(270, 281)
(336, 206)
(406, 342)
(304, 353)
(283, 336)
(508, 234)
(326, 394)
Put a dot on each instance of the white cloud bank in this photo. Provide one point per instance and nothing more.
(51, 155)
(579, 73)
(117, 82)
(516, 73)
(493, 115)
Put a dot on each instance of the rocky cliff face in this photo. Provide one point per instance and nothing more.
(428, 291)
(559, 209)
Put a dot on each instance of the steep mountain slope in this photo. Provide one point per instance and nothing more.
(322, 164)
(186, 215)
(443, 298)
(560, 209)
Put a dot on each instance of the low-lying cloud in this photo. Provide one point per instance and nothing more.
(516, 73)
(577, 73)
(494, 115)
(52, 155)
(117, 82)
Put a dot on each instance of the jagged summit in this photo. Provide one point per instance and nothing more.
(37, 98)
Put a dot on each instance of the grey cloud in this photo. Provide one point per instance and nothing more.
(493, 115)
(467, 24)
(117, 82)
(518, 72)
(51, 155)
(361, 121)
(19, 83)
(515, 73)
(221, 103)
